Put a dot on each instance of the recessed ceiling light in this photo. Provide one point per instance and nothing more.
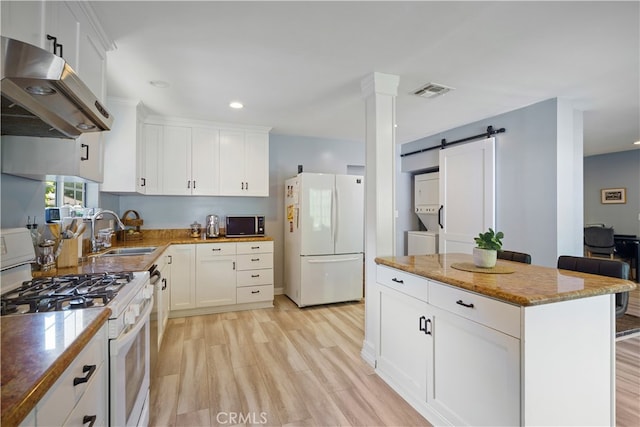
(235, 104)
(40, 90)
(637, 143)
(159, 84)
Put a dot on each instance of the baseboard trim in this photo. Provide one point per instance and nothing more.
(368, 353)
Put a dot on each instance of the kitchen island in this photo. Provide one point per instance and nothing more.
(529, 346)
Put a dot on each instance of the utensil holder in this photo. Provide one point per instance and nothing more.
(69, 255)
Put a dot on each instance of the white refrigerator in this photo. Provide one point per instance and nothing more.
(324, 238)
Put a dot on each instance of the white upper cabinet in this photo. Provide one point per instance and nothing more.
(67, 29)
(121, 147)
(176, 161)
(244, 163)
(205, 161)
(149, 181)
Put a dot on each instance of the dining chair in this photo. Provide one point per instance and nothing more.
(602, 267)
(515, 256)
(599, 241)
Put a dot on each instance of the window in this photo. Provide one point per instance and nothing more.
(73, 193)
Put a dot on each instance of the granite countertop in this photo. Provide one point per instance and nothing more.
(36, 350)
(161, 239)
(527, 285)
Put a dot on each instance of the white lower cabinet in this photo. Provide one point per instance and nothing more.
(79, 396)
(183, 266)
(474, 372)
(215, 277)
(215, 274)
(454, 366)
(404, 348)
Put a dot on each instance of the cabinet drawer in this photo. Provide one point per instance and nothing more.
(207, 250)
(255, 294)
(92, 404)
(494, 314)
(255, 277)
(57, 404)
(254, 247)
(254, 261)
(406, 283)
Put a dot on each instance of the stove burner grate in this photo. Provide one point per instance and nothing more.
(64, 292)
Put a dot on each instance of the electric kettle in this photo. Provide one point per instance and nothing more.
(213, 226)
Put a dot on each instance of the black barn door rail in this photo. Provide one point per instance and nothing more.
(444, 144)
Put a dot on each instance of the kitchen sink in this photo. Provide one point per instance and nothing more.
(129, 251)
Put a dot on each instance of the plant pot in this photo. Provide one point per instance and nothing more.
(484, 258)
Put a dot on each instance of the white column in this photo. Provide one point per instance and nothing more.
(380, 91)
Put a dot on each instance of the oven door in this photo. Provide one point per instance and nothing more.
(129, 373)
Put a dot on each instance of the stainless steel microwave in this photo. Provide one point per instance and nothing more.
(244, 225)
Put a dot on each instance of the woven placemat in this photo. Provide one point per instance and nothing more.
(469, 266)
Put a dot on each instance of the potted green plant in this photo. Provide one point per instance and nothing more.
(487, 246)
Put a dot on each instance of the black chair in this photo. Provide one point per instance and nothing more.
(599, 241)
(515, 256)
(603, 267)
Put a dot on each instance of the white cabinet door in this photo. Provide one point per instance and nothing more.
(205, 162)
(23, 21)
(89, 156)
(175, 167)
(244, 163)
(232, 181)
(152, 137)
(404, 349)
(183, 267)
(467, 194)
(63, 24)
(475, 372)
(92, 66)
(215, 274)
(256, 164)
(349, 214)
(121, 148)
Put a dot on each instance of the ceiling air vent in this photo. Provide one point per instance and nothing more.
(432, 89)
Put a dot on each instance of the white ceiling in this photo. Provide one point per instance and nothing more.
(297, 66)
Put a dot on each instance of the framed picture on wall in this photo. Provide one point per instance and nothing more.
(613, 195)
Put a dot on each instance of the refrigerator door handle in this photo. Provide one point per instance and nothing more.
(325, 261)
(334, 220)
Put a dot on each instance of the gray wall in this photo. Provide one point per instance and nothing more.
(526, 176)
(613, 170)
(21, 197)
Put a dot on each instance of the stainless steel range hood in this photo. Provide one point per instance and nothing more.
(42, 96)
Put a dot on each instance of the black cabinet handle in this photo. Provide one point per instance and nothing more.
(188, 184)
(255, 259)
(424, 325)
(440, 216)
(255, 275)
(234, 265)
(216, 249)
(194, 184)
(255, 292)
(86, 147)
(255, 247)
(242, 185)
(170, 259)
(89, 370)
(164, 284)
(144, 182)
(397, 280)
(462, 303)
(56, 45)
(246, 185)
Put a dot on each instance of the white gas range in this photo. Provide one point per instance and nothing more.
(129, 295)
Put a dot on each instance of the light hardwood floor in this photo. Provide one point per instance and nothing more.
(287, 366)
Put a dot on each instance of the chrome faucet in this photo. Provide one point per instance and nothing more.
(95, 245)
